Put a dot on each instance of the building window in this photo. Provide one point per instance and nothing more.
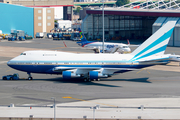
(48, 11)
(49, 24)
(68, 10)
(49, 17)
(39, 17)
(39, 24)
(39, 11)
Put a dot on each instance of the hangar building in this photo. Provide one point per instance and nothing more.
(15, 17)
(33, 16)
(30, 20)
(132, 21)
(62, 8)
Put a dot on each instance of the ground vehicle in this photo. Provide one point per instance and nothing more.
(76, 39)
(39, 35)
(15, 76)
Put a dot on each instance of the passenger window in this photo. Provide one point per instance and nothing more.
(125, 46)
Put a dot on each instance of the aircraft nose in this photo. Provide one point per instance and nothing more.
(9, 62)
(127, 50)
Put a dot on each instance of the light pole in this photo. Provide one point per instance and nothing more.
(54, 108)
(103, 23)
(94, 108)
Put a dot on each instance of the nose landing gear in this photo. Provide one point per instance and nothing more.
(29, 78)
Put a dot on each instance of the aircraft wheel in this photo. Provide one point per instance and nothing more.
(30, 78)
(85, 79)
(11, 78)
(98, 79)
(4, 78)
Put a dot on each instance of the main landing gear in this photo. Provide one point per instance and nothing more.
(29, 78)
(89, 80)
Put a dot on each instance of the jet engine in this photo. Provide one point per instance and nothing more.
(69, 74)
(96, 75)
(93, 74)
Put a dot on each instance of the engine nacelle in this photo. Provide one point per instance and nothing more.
(96, 75)
(69, 74)
(93, 74)
(66, 74)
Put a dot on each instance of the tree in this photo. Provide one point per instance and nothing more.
(55, 21)
(78, 9)
(121, 2)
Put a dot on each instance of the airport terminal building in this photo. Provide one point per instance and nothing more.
(134, 22)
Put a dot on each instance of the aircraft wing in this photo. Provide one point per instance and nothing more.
(99, 50)
(131, 45)
(60, 69)
(95, 49)
(83, 70)
(134, 45)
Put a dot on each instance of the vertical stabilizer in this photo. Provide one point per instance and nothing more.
(156, 44)
(83, 39)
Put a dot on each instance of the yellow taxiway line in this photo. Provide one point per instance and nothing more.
(68, 97)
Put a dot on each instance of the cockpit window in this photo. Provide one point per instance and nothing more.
(23, 53)
(125, 46)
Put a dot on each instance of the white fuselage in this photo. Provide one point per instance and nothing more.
(46, 61)
(123, 48)
(39, 56)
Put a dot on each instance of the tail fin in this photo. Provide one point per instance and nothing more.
(156, 44)
(128, 41)
(83, 39)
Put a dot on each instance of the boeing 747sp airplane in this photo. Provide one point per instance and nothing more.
(98, 46)
(95, 66)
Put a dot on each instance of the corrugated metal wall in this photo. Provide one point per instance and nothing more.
(118, 27)
(177, 34)
(17, 18)
(175, 37)
(90, 24)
